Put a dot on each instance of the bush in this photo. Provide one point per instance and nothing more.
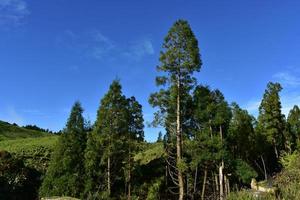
(16, 180)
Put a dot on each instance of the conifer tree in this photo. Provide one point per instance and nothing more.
(270, 119)
(293, 128)
(65, 175)
(105, 144)
(134, 136)
(241, 133)
(112, 145)
(179, 60)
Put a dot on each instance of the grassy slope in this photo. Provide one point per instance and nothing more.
(9, 131)
(34, 147)
(28, 144)
(35, 152)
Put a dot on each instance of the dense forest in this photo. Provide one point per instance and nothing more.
(210, 149)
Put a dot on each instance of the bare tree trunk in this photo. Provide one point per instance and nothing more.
(228, 186)
(179, 143)
(217, 183)
(129, 176)
(221, 181)
(108, 176)
(210, 129)
(204, 183)
(265, 171)
(195, 182)
(225, 186)
(275, 149)
(221, 170)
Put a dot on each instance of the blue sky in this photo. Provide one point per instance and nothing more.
(54, 52)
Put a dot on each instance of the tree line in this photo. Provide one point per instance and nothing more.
(209, 148)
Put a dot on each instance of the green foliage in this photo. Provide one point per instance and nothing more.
(16, 180)
(35, 152)
(13, 131)
(152, 152)
(113, 143)
(244, 171)
(241, 137)
(289, 180)
(293, 128)
(64, 176)
(270, 120)
(249, 195)
(154, 190)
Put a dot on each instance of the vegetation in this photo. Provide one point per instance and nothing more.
(64, 175)
(211, 149)
(13, 131)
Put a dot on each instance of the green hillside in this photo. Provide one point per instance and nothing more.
(11, 131)
(35, 152)
(32, 146)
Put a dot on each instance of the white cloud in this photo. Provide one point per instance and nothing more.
(101, 45)
(96, 45)
(139, 49)
(287, 79)
(12, 12)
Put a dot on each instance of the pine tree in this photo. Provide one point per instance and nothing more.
(105, 144)
(134, 136)
(241, 133)
(65, 175)
(179, 60)
(293, 128)
(270, 119)
(207, 149)
(112, 145)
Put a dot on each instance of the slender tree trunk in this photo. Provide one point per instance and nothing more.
(195, 182)
(129, 176)
(265, 171)
(216, 181)
(221, 181)
(179, 143)
(225, 186)
(210, 129)
(221, 170)
(108, 176)
(275, 148)
(204, 183)
(228, 186)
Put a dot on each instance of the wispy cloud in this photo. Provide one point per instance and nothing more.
(96, 45)
(139, 49)
(287, 79)
(12, 12)
(101, 45)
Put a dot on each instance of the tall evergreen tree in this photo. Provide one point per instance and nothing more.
(105, 144)
(241, 133)
(270, 119)
(179, 59)
(293, 128)
(65, 175)
(112, 145)
(134, 136)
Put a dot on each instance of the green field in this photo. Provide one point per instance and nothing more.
(34, 147)
(28, 145)
(10, 131)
